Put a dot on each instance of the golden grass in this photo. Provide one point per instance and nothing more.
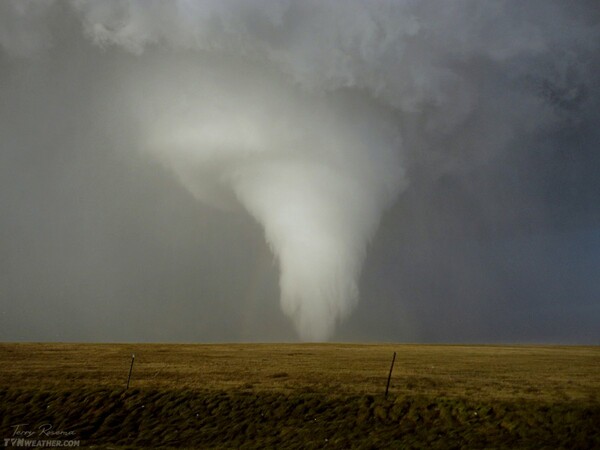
(305, 395)
(508, 373)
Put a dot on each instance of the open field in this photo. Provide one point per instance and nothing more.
(306, 395)
(551, 374)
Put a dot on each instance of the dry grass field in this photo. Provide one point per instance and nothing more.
(305, 395)
(482, 372)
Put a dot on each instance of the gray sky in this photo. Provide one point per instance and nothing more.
(274, 171)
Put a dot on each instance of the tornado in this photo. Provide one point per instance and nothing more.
(315, 171)
(314, 116)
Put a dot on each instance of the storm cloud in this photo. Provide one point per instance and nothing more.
(385, 171)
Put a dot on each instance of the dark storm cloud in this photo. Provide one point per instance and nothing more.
(473, 124)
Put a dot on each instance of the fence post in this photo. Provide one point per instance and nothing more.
(387, 387)
(130, 370)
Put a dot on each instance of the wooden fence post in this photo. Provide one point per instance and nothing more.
(390, 375)
(130, 370)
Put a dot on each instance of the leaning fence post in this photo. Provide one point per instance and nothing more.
(130, 370)
(387, 387)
